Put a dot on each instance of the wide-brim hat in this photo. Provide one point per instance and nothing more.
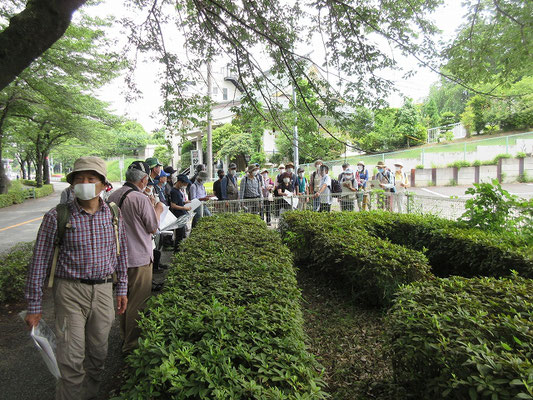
(281, 166)
(381, 164)
(232, 166)
(153, 162)
(399, 163)
(290, 164)
(141, 166)
(88, 163)
(361, 163)
(252, 167)
(265, 170)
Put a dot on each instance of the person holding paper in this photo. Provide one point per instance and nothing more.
(178, 206)
(197, 191)
(80, 266)
(141, 218)
(286, 191)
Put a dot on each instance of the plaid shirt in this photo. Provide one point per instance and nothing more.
(89, 251)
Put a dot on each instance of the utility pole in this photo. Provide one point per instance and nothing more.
(209, 126)
(295, 133)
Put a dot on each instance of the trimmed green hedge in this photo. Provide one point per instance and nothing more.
(451, 248)
(462, 338)
(13, 270)
(43, 191)
(332, 242)
(17, 194)
(228, 324)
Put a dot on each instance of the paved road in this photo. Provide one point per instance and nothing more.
(524, 190)
(20, 222)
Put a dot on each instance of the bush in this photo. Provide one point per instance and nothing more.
(43, 191)
(501, 156)
(13, 270)
(331, 242)
(452, 249)
(28, 182)
(459, 164)
(463, 338)
(15, 195)
(229, 324)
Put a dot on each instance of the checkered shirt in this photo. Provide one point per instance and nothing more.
(88, 251)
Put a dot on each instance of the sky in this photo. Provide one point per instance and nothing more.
(145, 108)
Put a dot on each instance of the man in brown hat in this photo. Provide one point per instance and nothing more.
(251, 190)
(92, 248)
(386, 181)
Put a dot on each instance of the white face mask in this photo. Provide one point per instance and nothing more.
(265, 176)
(301, 174)
(232, 172)
(255, 173)
(317, 168)
(85, 191)
(348, 177)
(359, 167)
(286, 180)
(289, 170)
(398, 168)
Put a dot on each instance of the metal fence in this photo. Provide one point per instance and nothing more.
(270, 209)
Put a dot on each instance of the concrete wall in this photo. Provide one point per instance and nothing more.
(508, 169)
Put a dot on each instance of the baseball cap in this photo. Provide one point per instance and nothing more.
(141, 166)
(89, 163)
(170, 170)
(184, 178)
(153, 162)
(163, 173)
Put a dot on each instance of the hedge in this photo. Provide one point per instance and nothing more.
(331, 242)
(451, 248)
(460, 338)
(17, 194)
(13, 270)
(228, 324)
(43, 191)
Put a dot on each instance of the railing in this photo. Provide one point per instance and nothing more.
(270, 209)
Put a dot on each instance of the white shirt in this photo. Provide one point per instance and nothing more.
(325, 197)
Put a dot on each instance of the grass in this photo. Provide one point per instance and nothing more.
(347, 340)
(113, 169)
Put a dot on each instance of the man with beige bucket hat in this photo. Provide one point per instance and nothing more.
(80, 245)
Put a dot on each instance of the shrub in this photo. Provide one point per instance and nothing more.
(229, 324)
(464, 338)
(28, 182)
(43, 191)
(500, 156)
(459, 164)
(13, 270)
(452, 248)
(331, 242)
(420, 166)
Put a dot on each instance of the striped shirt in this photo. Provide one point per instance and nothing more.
(89, 251)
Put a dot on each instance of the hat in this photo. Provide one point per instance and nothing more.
(348, 171)
(252, 167)
(141, 166)
(89, 163)
(301, 170)
(153, 162)
(170, 170)
(319, 162)
(361, 162)
(265, 170)
(232, 166)
(163, 173)
(290, 164)
(183, 178)
(203, 175)
(399, 163)
(281, 166)
(381, 164)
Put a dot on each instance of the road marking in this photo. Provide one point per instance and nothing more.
(22, 223)
(438, 194)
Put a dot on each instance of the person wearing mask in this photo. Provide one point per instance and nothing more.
(168, 187)
(281, 171)
(161, 184)
(386, 182)
(197, 191)
(155, 170)
(362, 176)
(314, 184)
(268, 187)
(251, 190)
(83, 284)
(302, 188)
(199, 168)
(230, 189)
(217, 191)
(290, 170)
(141, 215)
(178, 206)
(324, 192)
(285, 189)
(349, 186)
(401, 183)
(345, 166)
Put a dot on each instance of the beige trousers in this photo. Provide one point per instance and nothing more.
(139, 290)
(83, 317)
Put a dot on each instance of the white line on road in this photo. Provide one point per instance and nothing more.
(438, 194)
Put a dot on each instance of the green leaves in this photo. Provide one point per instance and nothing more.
(464, 338)
(13, 270)
(228, 325)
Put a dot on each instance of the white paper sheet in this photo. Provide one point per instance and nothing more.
(291, 199)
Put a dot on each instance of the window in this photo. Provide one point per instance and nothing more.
(224, 93)
(215, 91)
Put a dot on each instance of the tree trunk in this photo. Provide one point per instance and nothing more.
(46, 169)
(4, 183)
(23, 168)
(31, 32)
(39, 171)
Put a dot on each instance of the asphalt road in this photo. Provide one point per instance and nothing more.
(524, 190)
(20, 222)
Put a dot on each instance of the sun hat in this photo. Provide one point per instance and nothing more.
(232, 166)
(141, 166)
(264, 170)
(153, 162)
(399, 163)
(290, 164)
(281, 166)
(361, 163)
(252, 167)
(381, 164)
(88, 163)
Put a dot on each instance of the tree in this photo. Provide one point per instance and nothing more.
(432, 113)
(478, 104)
(186, 148)
(163, 154)
(410, 125)
(220, 136)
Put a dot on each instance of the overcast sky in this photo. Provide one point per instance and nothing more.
(145, 109)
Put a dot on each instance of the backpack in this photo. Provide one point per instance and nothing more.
(336, 186)
(63, 218)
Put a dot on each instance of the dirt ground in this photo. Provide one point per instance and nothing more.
(23, 374)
